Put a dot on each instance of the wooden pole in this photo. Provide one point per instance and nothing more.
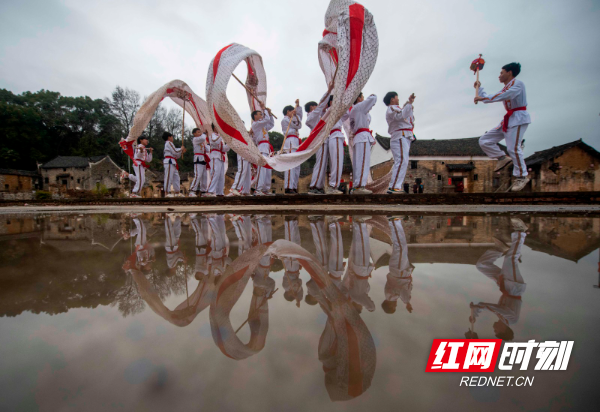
(248, 90)
(477, 73)
(285, 136)
(183, 124)
(248, 318)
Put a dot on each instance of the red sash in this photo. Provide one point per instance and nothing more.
(220, 151)
(271, 150)
(405, 130)
(137, 162)
(334, 130)
(507, 116)
(206, 159)
(364, 130)
(171, 157)
(293, 135)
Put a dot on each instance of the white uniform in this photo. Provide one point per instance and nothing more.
(335, 143)
(143, 250)
(292, 142)
(514, 97)
(243, 231)
(336, 254)
(171, 155)
(173, 233)
(201, 229)
(261, 279)
(219, 259)
(320, 168)
(200, 181)
(320, 240)
(401, 122)
(140, 160)
(508, 278)
(218, 155)
(243, 176)
(260, 133)
(292, 284)
(356, 280)
(360, 121)
(399, 280)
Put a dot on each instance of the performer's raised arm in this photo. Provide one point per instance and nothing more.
(510, 91)
(366, 105)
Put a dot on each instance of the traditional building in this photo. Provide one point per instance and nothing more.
(14, 181)
(80, 173)
(446, 165)
(571, 167)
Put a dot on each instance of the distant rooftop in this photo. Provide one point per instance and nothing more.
(542, 156)
(441, 147)
(71, 161)
(14, 172)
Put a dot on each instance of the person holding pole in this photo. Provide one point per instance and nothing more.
(218, 154)
(290, 125)
(171, 154)
(401, 122)
(141, 158)
(512, 128)
(262, 122)
(201, 162)
(360, 120)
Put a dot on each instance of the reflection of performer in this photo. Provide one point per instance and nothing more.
(201, 229)
(264, 286)
(399, 280)
(292, 284)
(317, 227)
(173, 232)
(219, 259)
(336, 252)
(360, 266)
(243, 231)
(144, 252)
(509, 280)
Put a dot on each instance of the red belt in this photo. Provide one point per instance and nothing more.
(507, 116)
(171, 157)
(206, 159)
(335, 130)
(220, 151)
(136, 162)
(293, 135)
(269, 143)
(364, 130)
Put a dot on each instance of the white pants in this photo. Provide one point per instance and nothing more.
(336, 161)
(510, 265)
(291, 177)
(264, 178)
(362, 164)
(400, 148)
(217, 177)
(242, 177)
(200, 178)
(336, 250)
(171, 178)
(139, 178)
(318, 232)
(514, 138)
(320, 168)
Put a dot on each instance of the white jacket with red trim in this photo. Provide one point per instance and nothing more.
(513, 95)
(400, 118)
(361, 119)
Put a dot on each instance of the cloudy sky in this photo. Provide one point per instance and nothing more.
(89, 47)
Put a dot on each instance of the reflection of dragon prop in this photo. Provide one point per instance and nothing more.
(347, 55)
(346, 347)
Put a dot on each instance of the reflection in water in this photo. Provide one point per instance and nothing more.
(338, 264)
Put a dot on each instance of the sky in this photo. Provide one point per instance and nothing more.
(426, 46)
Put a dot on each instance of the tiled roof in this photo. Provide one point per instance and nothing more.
(14, 172)
(71, 161)
(549, 154)
(441, 147)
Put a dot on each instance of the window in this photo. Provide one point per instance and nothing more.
(6, 187)
(64, 182)
(64, 169)
(406, 187)
(476, 177)
(418, 181)
(78, 180)
(413, 164)
(496, 182)
(46, 180)
(439, 177)
(71, 177)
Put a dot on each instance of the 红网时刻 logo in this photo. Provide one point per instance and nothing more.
(482, 355)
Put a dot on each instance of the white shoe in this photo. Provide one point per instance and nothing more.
(234, 192)
(192, 194)
(170, 195)
(259, 193)
(133, 195)
(518, 225)
(362, 219)
(362, 191)
(520, 183)
(332, 191)
(210, 195)
(501, 163)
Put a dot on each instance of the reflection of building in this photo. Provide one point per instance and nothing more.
(80, 173)
(81, 233)
(570, 167)
(568, 238)
(441, 165)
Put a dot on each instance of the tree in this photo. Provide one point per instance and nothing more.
(124, 104)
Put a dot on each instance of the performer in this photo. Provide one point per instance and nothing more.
(317, 227)
(201, 230)
(293, 118)
(336, 252)
(263, 284)
(243, 178)
(219, 255)
(314, 112)
(171, 154)
(356, 280)
(401, 122)
(201, 162)
(243, 230)
(218, 153)
(141, 158)
(292, 284)
(336, 142)
(399, 280)
(173, 233)
(509, 280)
(144, 252)
(262, 122)
(360, 120)
(512, 128)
